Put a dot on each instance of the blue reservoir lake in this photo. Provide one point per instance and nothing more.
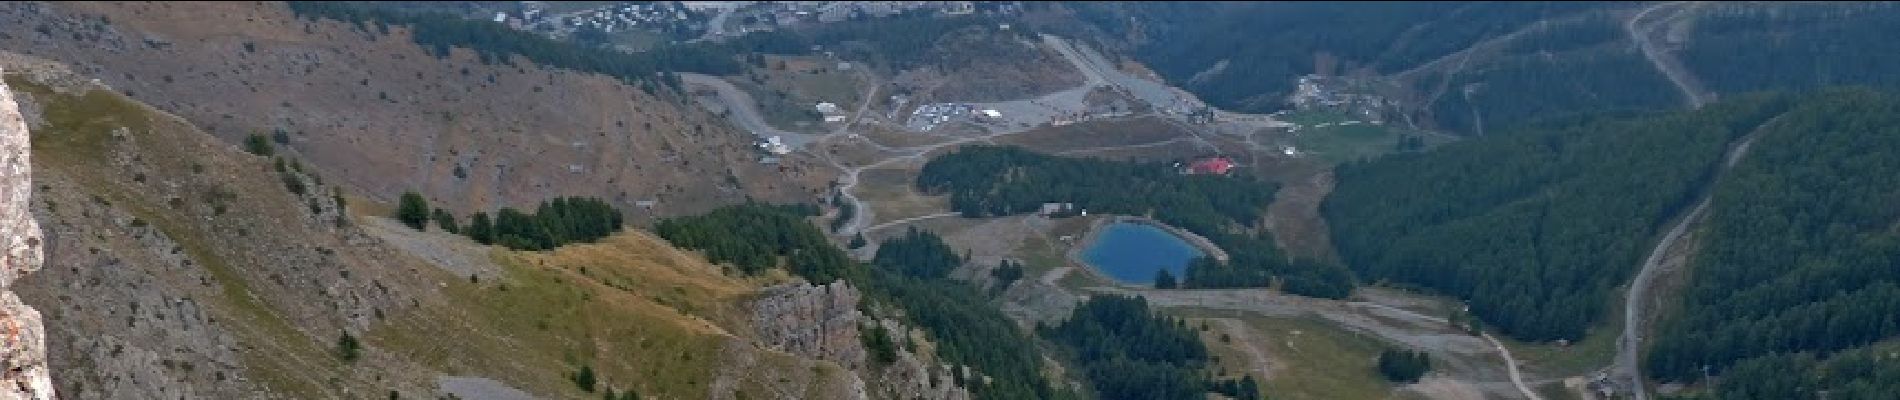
(1133, 253)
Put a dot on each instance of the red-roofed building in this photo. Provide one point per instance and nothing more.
(1217, 165)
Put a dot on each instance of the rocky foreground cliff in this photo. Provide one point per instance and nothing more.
(22, 338)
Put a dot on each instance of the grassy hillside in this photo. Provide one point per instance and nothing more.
(180, 266)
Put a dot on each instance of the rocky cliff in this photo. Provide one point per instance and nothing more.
(822, 322)
(814, 321)
(22, 339)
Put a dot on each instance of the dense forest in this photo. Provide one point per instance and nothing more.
(1534, 229)
(956, 315)
(1588, 64)
(1795, 46)
(987, 181)
(1862, 374)
(1517, 89)
(1799, 254)
(754, 237)
(917, 254)
(1264, 46)
(1130, 352)
(555, 222)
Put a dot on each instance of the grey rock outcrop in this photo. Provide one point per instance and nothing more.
(822, 322)
(819, 322)
(23, 369)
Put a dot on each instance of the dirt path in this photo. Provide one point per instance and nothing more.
(878, 227)
(1642, 296)
(1056, 274)
(1121, 147)
(1645, 33)
(1294, 216)
(742, 110)
(1510, 363)
(1462, 354)
(1249, 343)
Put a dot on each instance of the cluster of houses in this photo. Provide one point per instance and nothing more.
(619, 17)
(930, 116)
(1316, 92)
(1060, 210)
(787, 13)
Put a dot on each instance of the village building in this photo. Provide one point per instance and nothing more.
(1216, 165)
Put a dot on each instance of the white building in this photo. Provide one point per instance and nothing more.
(775, 146)
(827, 108)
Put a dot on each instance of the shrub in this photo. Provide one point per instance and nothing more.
(257, 144)
(413, 211)
(348, 348)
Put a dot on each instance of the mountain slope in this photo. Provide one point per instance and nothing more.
(1800, 247)
(178, 266)
(1536, 228)
(375, 111)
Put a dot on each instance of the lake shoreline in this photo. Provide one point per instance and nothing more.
(1094, 234)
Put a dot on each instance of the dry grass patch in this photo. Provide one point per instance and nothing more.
(890, 194)
(643, 314)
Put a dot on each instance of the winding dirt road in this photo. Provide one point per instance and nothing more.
(1642, 295)
(1396, 324)
(1644, 32)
